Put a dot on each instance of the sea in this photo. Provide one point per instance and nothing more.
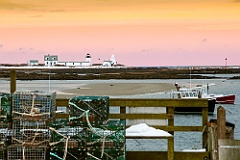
(183, 140)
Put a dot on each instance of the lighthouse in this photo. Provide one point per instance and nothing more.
(88, 58)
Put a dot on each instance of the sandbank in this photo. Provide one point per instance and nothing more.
(115, 89)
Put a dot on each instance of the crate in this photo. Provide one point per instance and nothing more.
(31, 132)
(59, 123)
(1, 151)
(86, 111)
(20, 152)
(108, 141)
(34, 103)
(105, 142)
(77, 137)
(4, 134)
(5, 106)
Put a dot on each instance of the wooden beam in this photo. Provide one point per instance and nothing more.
(13, 81)
(161, 155)
(131, 102)
(221, 122)
(204, 123)
(138, 116)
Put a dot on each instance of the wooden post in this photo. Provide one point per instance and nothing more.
(221, 126)
(122, 111)
(12, 90)
(171, 140)
(213, 142)
(204, 123)
(221, 122)
(13, 81)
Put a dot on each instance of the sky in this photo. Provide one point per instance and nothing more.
(137, 32)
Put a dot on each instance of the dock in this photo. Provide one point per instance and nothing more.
(169, 104)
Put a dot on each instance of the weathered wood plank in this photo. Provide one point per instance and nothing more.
(13, 81)
(158, 102)
(149, 137)
(204, 123)
(181, 128)
(161, 155)
(62, 101)
(171, 140)
(203, 103)
(138, 116)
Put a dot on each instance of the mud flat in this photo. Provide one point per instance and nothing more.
(115, 89)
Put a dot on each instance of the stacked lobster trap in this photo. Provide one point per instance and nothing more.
(5, 115)
(32, 112)
(89, 134)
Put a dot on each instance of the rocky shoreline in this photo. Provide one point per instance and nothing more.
(117, 73)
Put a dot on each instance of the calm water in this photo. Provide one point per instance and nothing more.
(183, 140)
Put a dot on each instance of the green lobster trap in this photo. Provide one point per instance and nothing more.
(5, 106)
(104, 142)
(88, 110)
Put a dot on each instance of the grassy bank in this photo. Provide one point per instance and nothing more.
(116, 73)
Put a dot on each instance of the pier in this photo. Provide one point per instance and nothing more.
(170, 104)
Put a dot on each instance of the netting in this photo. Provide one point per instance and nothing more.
(5, 106)
(1, 151)
(30, 132)
(32, 112)
(105, 142)
(34, 103)
(19, 152)
(85, 109)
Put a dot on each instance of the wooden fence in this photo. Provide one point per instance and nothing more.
(170, 104)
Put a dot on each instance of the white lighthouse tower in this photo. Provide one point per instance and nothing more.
(113, 60)
(88, 58)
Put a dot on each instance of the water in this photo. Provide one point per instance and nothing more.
(183, 140)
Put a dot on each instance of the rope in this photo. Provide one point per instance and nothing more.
(65, 151)
(54, 130)
(32, 115)
(28, 143)
(93, 156)
(23, 152)
(73, 156)
(103, 146)
(32, 109)
(52, 154)
(99, 132)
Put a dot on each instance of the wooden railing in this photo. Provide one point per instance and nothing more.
(170, 104)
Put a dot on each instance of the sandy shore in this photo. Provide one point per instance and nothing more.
(115, 89)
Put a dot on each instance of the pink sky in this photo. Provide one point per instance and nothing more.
(137, 32)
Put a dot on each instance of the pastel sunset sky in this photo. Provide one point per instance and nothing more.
(137, 32)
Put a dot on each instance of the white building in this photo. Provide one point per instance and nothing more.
(74, 64)
(111, 62)
(33, 63)
(50, 60)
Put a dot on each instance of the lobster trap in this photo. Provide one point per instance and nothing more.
(5, 106)
(108, 141)
(104, 142)
(20, 152)
(1, 151)
(34, 103)
(88, 111)
(30, 132)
